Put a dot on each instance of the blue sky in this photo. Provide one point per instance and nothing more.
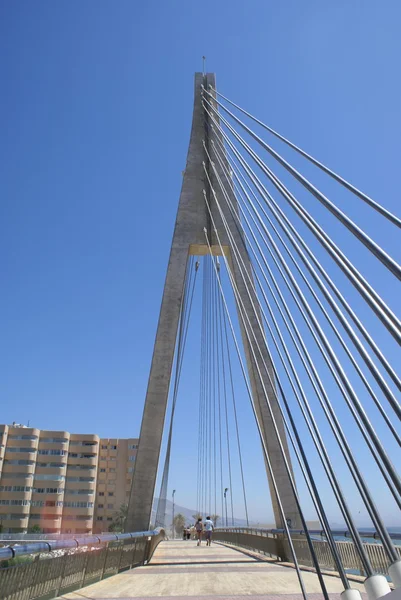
(96, 112)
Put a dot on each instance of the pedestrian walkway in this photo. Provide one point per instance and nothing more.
(181, 569)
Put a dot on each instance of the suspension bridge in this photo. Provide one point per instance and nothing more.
(299, 301)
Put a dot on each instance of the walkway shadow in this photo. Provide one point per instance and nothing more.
(200, 562)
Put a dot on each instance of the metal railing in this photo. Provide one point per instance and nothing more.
(273, 543)
(84, 563)
(16, 537)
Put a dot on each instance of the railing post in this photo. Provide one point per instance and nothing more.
(105, 560)
(86, 554)
(133, 553)
(120, 557)
(65, 559)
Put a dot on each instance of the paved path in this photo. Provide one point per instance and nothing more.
(183, 570)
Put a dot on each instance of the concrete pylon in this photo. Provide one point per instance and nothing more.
(189, 239)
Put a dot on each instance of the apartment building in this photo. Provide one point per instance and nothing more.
(115, 468)
(62, 482)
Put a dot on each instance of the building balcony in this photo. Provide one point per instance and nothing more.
(15, 495)
(46, 509)
(21, 522)
(77, 439)
(12, 468)
(33, 444)
(80, 485)
(18, 512)
(71, 511)
(13, 456)
(52, 469)
(8, 479)
(22, 433)
(83, 458)
(53, 447)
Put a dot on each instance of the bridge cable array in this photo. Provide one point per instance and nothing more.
(311, 322)
(185, 315)
(236, 179)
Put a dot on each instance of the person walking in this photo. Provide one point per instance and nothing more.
(209, 526)
(199, 530)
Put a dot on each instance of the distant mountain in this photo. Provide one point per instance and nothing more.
(188, 512)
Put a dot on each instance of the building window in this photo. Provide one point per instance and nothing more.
(99, 519)
(48, 490)
(82, 443)
(24, 463)
(55, 440)
(110, 494)
(132, 457)
(82, 492)
(80, 455)
(113, 447)
(52, 452)
(109, 518)
(17, 475)
(103, 447)
(100, 505)
(132, 446)
(101, 493)
(51, 477)
(131, 469)
(30, 450)
(109, 506)
(69, 504)
(111, 470)
(15, 502)
(23, 437)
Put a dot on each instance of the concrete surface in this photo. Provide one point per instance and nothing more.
(189, 237)
(181, 569)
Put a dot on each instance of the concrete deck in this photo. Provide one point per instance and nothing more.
(181, 569)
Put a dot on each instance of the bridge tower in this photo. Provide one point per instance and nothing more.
(189, 239)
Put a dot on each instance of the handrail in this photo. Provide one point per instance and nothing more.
(88, 540)
(343, 532)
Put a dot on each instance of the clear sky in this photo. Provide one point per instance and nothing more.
(96, 104)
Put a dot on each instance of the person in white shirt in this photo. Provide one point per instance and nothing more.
(209, 526)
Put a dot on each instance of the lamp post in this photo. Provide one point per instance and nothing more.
(173, 517)
(225, 500)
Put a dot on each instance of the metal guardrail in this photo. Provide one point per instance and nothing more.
(273, 543)
(58, 543)
(73, 570)
(16, 537)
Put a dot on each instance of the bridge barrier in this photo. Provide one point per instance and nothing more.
(45, 579)
(274, 544)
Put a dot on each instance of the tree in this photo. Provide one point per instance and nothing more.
(35, 529)
(120, 518)
(179, 523)
(215, 518)
(197, 516)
